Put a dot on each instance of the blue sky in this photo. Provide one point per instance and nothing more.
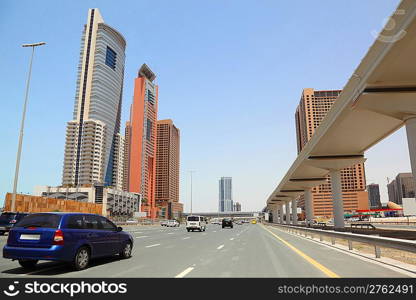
(230, 75)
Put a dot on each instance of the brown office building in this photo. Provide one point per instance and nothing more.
(403, 186)
(167, 170)
(313, 107)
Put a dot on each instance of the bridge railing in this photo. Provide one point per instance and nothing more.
(376, 241)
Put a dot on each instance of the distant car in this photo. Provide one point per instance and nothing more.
(132, 221)
(196, 223)
(239, 222)
(172, 223)
(253, 222)
(9, 219)
(75, 238)
(227, 223)
(164, 222)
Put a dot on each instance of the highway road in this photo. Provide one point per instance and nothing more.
(245, 251)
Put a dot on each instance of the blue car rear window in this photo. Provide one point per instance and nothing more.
(7, 216)
(40, 220)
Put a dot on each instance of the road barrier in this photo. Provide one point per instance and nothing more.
(376, 241)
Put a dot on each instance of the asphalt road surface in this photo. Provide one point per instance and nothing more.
(245, 251)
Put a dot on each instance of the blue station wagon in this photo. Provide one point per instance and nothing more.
(75, 238)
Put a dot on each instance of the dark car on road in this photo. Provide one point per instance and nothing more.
(9, 219)
(75, 238)
(227, 223)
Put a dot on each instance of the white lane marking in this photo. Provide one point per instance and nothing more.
(154, 245)
(214, 231)
(138, 232)
(185, 238)
(231, 239)
(170, 232)
(220, 247)
(143, 236)
(184, 273)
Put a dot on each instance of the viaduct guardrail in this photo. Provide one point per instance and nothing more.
(376, 241)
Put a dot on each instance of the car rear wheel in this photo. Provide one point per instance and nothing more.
(28, 264)
(82, 258)
(126, 253)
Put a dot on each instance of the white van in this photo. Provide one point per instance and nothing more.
(196, 223)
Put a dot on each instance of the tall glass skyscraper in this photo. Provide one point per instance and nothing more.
(225, 194)
(92, 153)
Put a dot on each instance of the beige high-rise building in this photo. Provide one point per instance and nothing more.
(167, 169)
(118, 162)
(91, 148)
(312, 109)
(93, 132)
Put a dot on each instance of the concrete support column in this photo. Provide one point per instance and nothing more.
(276, 215)
(308, 206)
(411, 142)
(337, 199)
(287, 213)
(294, 212)
(281, 214)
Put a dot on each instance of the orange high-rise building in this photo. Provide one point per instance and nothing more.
(167, 170)
(313, 107)
(140, 143)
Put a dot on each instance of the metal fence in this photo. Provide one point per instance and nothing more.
(376, 241)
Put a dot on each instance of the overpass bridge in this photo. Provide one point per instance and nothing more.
(233, 214)
(378, 99)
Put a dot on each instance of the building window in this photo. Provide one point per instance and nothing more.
(149, 125)
(150, 97)
(110, 58)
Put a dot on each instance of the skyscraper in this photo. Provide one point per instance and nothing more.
(312, 109)
(237, 207)
(167, 170)
(374, 196)
(402, 187)
(225, 194)
(92, 137)
(140, 140)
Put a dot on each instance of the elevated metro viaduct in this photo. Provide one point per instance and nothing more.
(378, 99)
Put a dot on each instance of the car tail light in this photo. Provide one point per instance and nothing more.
(12, 221)
(58, 238)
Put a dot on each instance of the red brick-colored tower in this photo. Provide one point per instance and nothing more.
(140, 159)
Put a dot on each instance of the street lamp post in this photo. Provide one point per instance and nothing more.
(22, 125)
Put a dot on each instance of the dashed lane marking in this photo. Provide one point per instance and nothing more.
(184, 273)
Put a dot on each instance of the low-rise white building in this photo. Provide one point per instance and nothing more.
(115, 202)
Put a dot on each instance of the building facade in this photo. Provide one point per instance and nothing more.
(167, 169)
(140, 140)
(312, 109)
(118, 162)
(91, 135)
(403, 186)
(373, 191)
(237, 207)
(225, 195)
(114, 202)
